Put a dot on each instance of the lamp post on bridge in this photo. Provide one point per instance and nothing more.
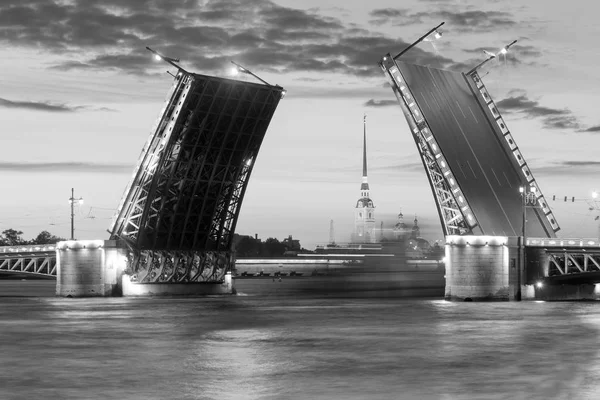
(72, 201)
(596, 206)
(527, 197)
(503, 50)
(173, 61)
(435, 32)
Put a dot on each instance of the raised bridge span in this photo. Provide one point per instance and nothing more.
(500, 231)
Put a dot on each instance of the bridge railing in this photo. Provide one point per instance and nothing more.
(33, 248)
(563, 242)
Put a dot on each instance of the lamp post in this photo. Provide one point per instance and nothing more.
(596, 206)
(437, 35)
(503, 50)
(72, 201)
(169, 60)
(526, 198)
(238, 68)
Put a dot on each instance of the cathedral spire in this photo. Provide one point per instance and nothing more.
(365, 184)
(365, 146)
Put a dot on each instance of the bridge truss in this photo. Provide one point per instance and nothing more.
(576, 258)
(179, 212)
(30, 259)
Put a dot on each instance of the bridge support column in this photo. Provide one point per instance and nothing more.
(89, 268)
(480, 268)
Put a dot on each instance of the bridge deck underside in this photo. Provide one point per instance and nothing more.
(190, 182)
(484, 170)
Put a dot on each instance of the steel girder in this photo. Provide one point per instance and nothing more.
(181, 207)
(572, 261)
(453, 208)
(35, 260)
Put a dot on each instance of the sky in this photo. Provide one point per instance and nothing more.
(79, 95)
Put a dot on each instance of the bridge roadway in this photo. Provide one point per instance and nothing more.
(471, 146)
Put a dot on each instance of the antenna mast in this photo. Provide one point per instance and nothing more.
(331, 233)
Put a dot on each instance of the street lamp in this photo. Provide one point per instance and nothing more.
(172, 61)
(72, 201)
(503, 50)
(596, 207)
(436, 35)
(527, 197)
(239, 69)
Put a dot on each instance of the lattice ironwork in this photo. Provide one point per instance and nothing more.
(572, 261)
(453, 208)
(182, 204)
(35, 260)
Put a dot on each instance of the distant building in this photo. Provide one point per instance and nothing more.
(364, 212)
(416, 232)
(291, 244)
(400, 229)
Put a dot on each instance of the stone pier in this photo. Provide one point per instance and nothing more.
(480, 268)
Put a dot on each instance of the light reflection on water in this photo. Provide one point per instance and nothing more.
(308, 348)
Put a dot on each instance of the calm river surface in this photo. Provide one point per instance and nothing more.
(277, 347)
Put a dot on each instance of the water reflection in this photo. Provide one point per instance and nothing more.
(273, 348)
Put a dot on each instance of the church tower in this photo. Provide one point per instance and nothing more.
(416, 231)
(364, 213)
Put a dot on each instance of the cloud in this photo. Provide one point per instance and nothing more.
(259, 34)
(593, 129)
(38, 106)
(552, 118)
(68, 166)
(568, 168)
(380, 103)
(48, 106)
(461, 21)
(408, 166)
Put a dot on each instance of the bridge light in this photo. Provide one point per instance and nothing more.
(425, 37)
(539, 284)
(239, 68)
(283, 93)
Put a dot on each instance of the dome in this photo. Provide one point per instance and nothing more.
(400, 226)
(420, 243)
(364, 202)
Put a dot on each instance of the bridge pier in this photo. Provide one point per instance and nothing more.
(89, 268)
(482, 268)
(96, 268)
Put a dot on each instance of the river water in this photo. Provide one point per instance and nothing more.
(302, 347)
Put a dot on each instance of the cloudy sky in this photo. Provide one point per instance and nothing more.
(80, 94)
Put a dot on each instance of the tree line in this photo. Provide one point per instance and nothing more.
(247, 246)
(13, 237)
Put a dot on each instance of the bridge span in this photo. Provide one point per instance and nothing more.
(487, 198)
(29, 259)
